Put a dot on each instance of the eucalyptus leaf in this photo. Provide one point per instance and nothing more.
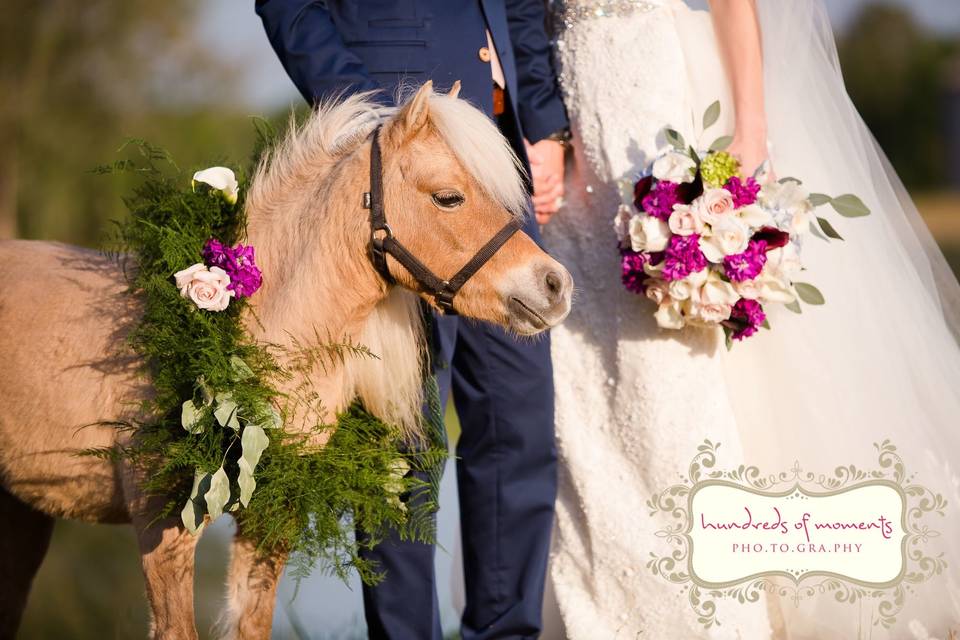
(794, 306)
(765, 324)
(819, 199)
(675, 139)
(190, 415)
(815, 230)
(828, 228)
(850, 206)
(789, 179)
(721, 143)
(218, 494)
(808, 293)
(226, 411)
(253, 442)
(241, 368)
(195, 509)
(273, 419)
(694, 156)
(711, 115)
(246, 481)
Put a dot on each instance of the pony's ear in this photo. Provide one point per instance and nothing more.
(455, 89)
(414, 114)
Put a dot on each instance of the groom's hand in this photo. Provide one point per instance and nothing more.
(546, 168)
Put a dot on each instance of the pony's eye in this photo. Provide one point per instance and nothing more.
(448, 199)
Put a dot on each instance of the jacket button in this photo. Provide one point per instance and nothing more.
(484, 54)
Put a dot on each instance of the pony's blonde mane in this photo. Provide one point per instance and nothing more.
(340, 124)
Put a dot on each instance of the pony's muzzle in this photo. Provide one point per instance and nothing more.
(541, 300)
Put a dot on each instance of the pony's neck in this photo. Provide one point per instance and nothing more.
(319, 288)
(311, 239)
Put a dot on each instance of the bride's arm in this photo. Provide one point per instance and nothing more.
(738, 34)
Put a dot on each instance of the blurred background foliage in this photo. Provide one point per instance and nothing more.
(77, 79)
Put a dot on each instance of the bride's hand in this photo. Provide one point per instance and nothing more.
(751, 151)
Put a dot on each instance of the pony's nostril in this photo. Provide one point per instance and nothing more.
(554, 284)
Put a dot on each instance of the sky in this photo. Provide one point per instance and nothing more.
(233, 31)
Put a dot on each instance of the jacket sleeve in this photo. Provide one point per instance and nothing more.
(312, 51)
(540, 106)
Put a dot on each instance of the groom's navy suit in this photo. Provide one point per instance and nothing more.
(502, 388)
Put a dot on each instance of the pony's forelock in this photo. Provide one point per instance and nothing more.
(340, 124)
(482, 150)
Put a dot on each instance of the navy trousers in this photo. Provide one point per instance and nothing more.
(506, 474)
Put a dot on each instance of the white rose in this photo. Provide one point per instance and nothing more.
(718, 291)
(185, 277)
(729, 237)
(685, 220)
(708, 314)
(669, 315)
(648, 233)
(684, 288)
(713, 302)
(783, 261)
(680, 289)
(207, 288)
(714, 205)
(674, 167)
(220, 178)
(755, 216)
(774, 288)
(657, 290)
(749, 289)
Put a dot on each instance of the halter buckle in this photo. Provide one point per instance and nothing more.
(378, 253)
(444, 298)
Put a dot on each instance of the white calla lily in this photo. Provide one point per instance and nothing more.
(220, 178)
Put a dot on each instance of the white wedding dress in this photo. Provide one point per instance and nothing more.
(634, 402)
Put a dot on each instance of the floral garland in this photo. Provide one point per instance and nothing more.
(214, 442)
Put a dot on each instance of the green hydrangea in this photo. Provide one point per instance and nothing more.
(719, 167)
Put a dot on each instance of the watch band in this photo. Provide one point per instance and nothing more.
(563, 136)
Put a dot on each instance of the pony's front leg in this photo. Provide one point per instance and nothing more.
(167, 555)
(251, 590)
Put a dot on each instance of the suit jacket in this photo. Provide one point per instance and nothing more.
(332, 46)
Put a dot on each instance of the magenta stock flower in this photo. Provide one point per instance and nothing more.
(746, 265)
(683, 257)
(239, 263)
(744, 192)
(747, 317)
(632, 273)
(216, 254)
(660, 200)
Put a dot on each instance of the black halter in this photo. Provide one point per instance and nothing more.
(382, 243)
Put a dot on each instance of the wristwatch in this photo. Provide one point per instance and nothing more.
(563, 136)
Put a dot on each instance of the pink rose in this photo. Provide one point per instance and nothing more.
(714, 204)
(207, 288)
(685, 221)
(657, 290)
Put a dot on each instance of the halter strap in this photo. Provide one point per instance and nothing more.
(382, 243)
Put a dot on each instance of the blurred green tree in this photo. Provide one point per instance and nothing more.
(894, 72)
(76, 79)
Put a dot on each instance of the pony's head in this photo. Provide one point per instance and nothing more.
(451, 182)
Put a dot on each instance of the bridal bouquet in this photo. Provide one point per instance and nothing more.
(710, 246)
